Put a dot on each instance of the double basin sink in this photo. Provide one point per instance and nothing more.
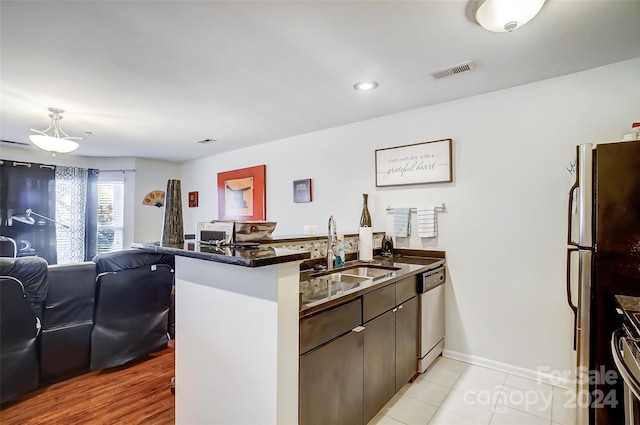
(341, 282)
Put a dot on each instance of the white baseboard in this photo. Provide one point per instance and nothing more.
(546, 378)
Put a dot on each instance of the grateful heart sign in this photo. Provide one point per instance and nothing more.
(425, 162)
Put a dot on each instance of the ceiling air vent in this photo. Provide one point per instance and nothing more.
(453, 70)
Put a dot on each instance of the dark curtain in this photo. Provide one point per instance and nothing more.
(28, 186)
(91, 215)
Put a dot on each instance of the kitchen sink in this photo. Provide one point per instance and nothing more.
(331, 286)
(373, 272)
(343, 277)
(342, 281)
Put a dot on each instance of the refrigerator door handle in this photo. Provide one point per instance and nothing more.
(570, 240)
(571, 250)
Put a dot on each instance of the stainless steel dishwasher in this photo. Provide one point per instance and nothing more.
(431, 293)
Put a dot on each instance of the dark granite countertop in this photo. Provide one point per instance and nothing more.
(318, 294)
(239, 256)
(628, 303)
(630, 306)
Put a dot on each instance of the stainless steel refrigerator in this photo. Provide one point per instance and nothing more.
(603, 259)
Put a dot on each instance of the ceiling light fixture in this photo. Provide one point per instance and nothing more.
(506, 15)
(57, 141)
(365, 85)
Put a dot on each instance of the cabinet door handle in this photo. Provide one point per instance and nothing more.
(358, 329)
(399, 307)
(394, 310)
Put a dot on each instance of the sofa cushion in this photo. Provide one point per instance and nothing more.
(32, 272)
(133, 296)
(72, 291)
(68, 320)
(65, 351)
(130, 259)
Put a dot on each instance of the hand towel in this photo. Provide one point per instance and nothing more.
(427, 222)
(402, 222)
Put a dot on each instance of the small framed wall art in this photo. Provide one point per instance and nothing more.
(426, 162)
(242, 194)
(193, 199)
(302, 191)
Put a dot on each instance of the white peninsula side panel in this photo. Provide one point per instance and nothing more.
(236, 343)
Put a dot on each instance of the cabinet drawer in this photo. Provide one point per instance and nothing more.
(406, 288)
(326, 325)
(377, 302)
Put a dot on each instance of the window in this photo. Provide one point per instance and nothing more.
(110, 216)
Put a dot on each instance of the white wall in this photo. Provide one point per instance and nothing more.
(141, 223)
(151, 175)
(504, 229)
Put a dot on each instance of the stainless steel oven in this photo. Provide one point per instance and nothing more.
(626, 356)
(431, 293)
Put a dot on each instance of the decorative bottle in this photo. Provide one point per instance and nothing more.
(365, 218)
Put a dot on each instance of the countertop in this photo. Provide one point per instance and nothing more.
(314, 290)
(247, 257)
(631, 308)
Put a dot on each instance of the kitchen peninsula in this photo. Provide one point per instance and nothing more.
(236, 333)
(251, 328)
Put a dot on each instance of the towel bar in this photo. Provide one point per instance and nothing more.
(439, 209)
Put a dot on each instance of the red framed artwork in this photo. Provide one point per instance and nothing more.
(242, 194)
(193, 199)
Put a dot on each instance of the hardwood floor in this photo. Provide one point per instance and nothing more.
(138, 393)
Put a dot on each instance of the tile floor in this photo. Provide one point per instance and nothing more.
(457, 393)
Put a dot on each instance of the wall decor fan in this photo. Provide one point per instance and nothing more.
(154, 198)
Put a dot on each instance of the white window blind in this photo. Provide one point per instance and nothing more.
(110, 216)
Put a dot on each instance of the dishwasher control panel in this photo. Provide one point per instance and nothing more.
(431, 279)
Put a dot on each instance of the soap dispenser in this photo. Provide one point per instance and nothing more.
(340, 258)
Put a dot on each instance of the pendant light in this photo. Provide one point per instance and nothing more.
(53, 139)
(506, 15)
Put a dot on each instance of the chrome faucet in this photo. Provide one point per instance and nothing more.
(332, 239)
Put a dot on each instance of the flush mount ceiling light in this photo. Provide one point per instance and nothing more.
(365, 85)
(506, 15)
(53, 139)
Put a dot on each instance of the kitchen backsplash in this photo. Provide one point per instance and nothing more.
(318, 246)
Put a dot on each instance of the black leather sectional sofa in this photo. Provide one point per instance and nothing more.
(61, 320)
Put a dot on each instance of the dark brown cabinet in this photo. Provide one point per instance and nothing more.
(379, 358)
(349, 372)
(331, 379)
(390, 343)
(406, 341)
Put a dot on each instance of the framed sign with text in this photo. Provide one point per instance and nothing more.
(426, 162)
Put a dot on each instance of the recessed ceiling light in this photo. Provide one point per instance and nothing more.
(365, 85)
(206, 141)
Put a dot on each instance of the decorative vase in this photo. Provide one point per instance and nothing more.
(365, 218)
(172, 228)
